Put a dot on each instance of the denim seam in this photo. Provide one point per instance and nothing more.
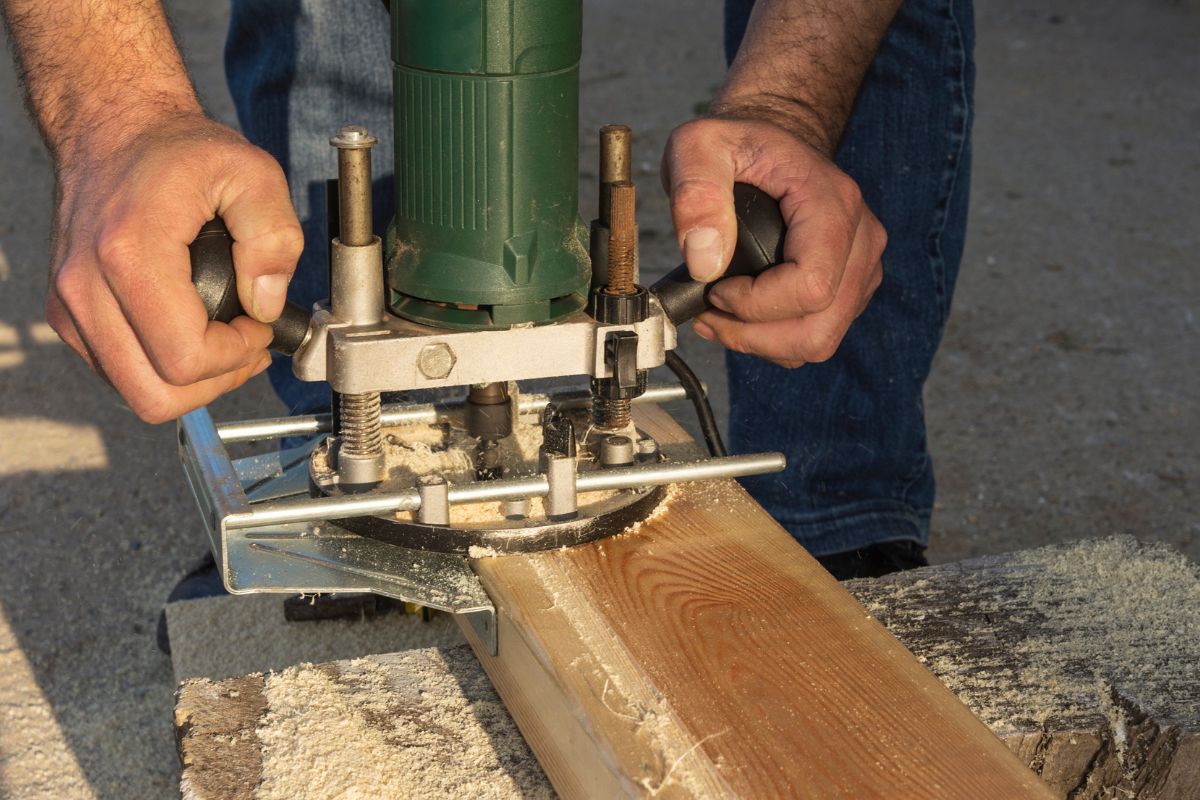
(950, 177)
(950, 174)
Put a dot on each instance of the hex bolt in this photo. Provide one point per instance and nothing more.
(436, 361)
(435, 500)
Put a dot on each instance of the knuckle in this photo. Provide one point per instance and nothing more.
(116, 247)
(153, 408)
(287, 240)
(183, 368)
(70, 286)
(822, 345)
(688, 133)
(850, 191)
(818, 290)
(696, 193)
(58, 319)
(876, 277)
(264, 161)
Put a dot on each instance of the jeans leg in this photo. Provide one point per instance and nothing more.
(853, 428)
(298, 70)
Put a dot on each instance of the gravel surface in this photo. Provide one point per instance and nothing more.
(1064, 402)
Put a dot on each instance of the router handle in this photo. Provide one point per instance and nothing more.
(760, 233)
(214, 278)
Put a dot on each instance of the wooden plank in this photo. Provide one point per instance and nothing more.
(1083, 657)
(706, 654)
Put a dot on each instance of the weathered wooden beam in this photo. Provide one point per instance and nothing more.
(706, 654)
(1083, 657)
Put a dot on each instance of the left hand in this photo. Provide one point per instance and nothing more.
(797, 311)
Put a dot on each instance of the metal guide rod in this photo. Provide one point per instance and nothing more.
(614, 478)
(356, 294)
(407, 414)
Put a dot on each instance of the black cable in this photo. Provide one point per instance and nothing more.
(695, 392)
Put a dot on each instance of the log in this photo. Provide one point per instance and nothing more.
(706, 654)
(1083, 657)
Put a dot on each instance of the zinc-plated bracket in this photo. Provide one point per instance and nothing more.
(311, 557)
(268, 535)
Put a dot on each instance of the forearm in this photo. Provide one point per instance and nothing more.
(801, 63)
(96, 72)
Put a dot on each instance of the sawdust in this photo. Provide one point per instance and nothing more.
(1080, 631)
(418, 724)
(423, 449)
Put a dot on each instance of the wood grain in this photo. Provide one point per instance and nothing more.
(706, 654)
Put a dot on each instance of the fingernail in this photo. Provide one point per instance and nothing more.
(268, 296)
(704, 253)
(704, 331)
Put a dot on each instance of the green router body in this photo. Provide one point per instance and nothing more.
(487, 231)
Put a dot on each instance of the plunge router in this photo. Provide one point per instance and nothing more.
(488, 277)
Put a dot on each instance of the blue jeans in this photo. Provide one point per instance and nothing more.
(852, 428)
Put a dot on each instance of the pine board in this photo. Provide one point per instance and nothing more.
(706, 654)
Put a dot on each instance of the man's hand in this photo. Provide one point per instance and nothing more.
(140, 169)
(777, 121)
(121, 292)
(797, 311)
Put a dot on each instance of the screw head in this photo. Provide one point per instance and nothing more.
(353, 137)
(436, 361)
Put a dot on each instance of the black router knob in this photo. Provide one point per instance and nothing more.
(215, 280)
(760, 233)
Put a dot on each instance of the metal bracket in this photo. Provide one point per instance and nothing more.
(296, 558)
(269, 535)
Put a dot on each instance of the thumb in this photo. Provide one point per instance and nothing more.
(267, 239)
(699, 174)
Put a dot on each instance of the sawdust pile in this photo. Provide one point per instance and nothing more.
(417, 724)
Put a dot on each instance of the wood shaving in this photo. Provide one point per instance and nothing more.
(417, 724)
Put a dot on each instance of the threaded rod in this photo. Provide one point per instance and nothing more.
(622, 240)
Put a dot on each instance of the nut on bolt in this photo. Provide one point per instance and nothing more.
(436, 360)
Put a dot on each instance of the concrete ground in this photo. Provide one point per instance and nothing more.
(1064, 402)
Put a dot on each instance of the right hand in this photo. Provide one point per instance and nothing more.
(120, 290)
